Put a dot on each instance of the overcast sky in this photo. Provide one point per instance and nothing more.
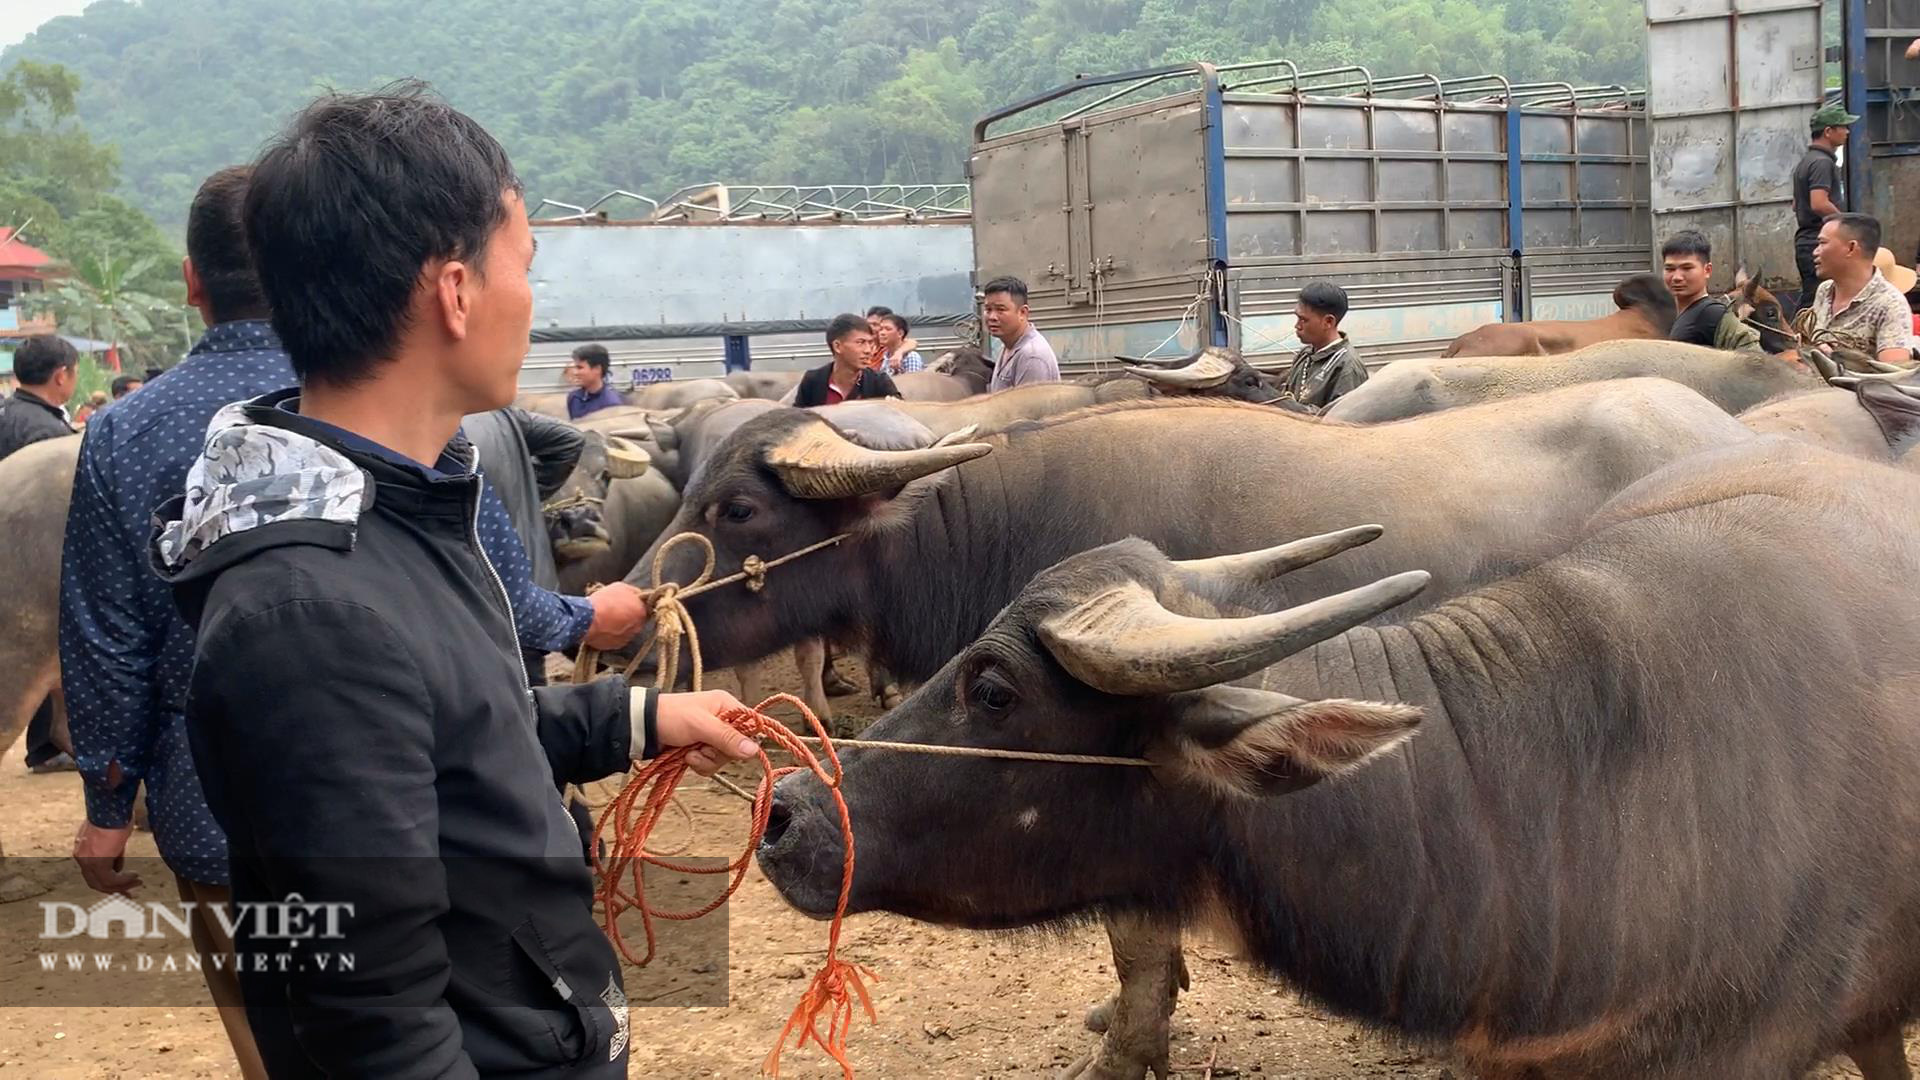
(18, 18)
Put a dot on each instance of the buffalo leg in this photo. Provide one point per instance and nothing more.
(831, 681)
(1138, 1020)
(886, 688)
(28, 694)
(1882, 1057)
(810, 656)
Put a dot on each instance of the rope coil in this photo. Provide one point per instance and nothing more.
(642, 803)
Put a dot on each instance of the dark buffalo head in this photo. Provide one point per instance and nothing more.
(780, 482)
(575, 519)
(1211, 372)
(968, 363)
(1117, 652)
(1752, 302)
(1648, 294)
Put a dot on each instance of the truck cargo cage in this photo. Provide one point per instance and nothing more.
(1153, 211)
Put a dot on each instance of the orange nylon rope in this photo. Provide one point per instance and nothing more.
(632, 816)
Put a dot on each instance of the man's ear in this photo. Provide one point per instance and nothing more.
(451, 282)
(1258, 743)
(196, 293)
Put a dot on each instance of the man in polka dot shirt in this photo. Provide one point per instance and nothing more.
(126, 654)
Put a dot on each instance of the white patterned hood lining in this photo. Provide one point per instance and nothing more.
(249, 475)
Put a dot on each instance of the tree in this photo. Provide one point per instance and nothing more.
(125, 284)
(98, 300)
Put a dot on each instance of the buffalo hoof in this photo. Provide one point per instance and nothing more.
(836, 684)
(1100, 1067)
(891, 697)
(14, 888)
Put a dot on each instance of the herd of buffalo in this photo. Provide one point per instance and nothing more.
(1554, 710)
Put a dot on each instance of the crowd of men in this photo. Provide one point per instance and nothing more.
(335, 573)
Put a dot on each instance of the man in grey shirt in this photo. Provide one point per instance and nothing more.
(1026, 357)
(1327, 365)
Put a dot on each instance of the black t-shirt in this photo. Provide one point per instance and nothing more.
(1818, 168)
(1699, 324)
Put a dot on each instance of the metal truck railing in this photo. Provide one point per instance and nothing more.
(1153, 210)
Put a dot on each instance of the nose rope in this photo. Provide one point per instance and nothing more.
(569, 502)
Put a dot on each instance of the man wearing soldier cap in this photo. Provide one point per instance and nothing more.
(1816, 190)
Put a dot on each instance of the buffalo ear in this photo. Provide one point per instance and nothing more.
(1258, 743)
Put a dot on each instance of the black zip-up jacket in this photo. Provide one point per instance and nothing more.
(364, 734)
(26, 419)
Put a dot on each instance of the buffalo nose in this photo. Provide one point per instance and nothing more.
(779, 818)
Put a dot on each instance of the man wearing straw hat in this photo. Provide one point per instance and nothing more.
(1861, 304)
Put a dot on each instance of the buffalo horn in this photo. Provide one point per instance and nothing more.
(959, 435)
(817, 462)
(1269, 563)
(1210, 368)
(1125, 642)
(625, 460)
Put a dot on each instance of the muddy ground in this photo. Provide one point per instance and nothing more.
(950, 1004)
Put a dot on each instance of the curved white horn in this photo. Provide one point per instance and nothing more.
(625, 460)
(1268, 563)
(1211, 368)
(815, 461)
(1125, 642)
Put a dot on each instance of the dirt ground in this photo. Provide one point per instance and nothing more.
(950, 1004)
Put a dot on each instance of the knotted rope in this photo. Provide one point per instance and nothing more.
(672, 624)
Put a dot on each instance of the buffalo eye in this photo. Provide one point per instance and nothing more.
(737, 512)
(991, 696)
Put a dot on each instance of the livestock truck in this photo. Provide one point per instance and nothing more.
(1153, 211)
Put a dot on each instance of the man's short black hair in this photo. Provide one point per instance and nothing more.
(122, 385)
(879, 310)
(1688, 242)
(842, 325)
(1864, 228)
(1326, 298)
(40, 356)
(217, 244)
(346, 209)
(899, 322)
(594, 354)
(1008, 284)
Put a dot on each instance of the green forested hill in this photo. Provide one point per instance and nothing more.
(590, 95)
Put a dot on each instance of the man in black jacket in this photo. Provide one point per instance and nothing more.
(850, 374)
(45, 367)
(357, 712)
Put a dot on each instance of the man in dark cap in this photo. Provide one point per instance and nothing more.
(1816, 189)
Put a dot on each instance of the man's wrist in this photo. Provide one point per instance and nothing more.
(109, 807)
(643, 711)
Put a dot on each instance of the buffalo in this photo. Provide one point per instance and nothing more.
(1876, 420)
(940, 538)
(1735, 381)
(1660, 818)
(36, 485)
(1646, 310)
